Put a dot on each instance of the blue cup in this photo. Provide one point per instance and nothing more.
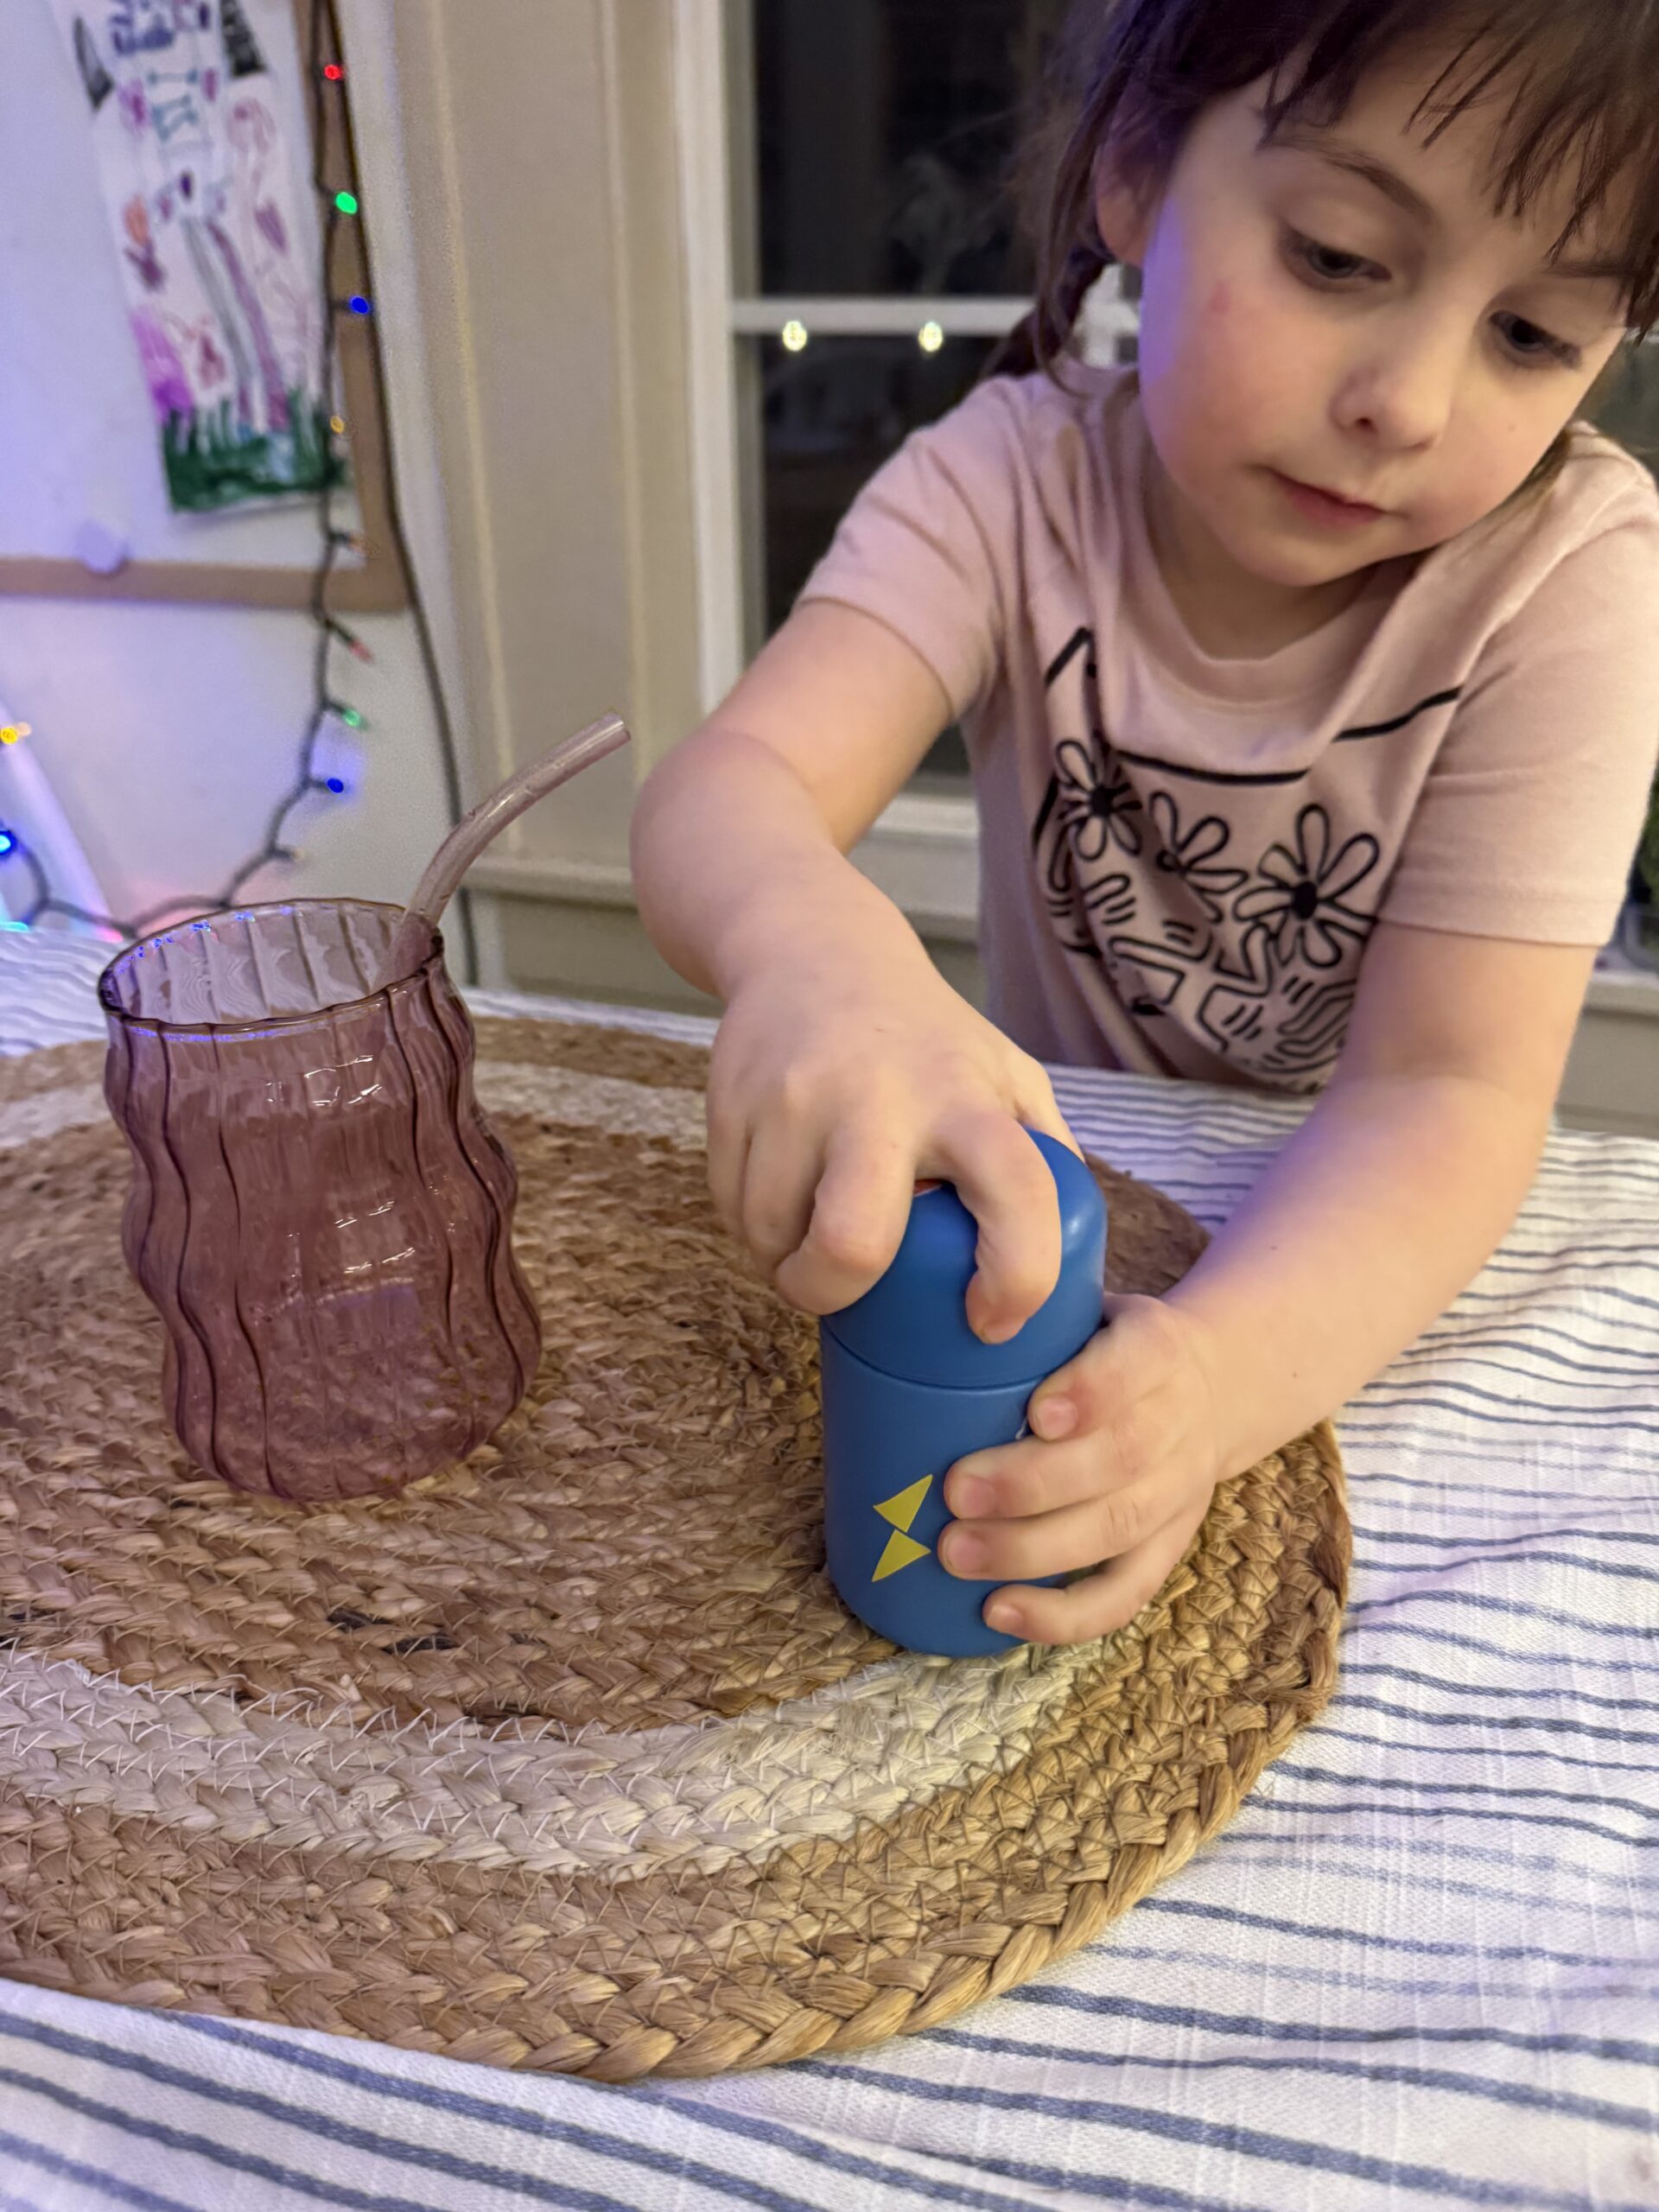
(909, 1388)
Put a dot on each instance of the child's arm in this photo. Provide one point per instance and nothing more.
(1388, 1199)
(845, 1066)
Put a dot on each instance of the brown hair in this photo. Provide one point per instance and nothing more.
(1135, 73)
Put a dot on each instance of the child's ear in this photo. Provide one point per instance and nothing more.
(1123, 211)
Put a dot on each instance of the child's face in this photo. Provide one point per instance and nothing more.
(1304, 324)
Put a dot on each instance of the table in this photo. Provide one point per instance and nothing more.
(1422, 1968)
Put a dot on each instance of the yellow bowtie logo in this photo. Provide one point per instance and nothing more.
(902, 1549)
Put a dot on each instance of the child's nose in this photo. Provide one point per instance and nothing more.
(1402, 393)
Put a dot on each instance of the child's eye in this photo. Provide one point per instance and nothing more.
(1325, 264)
(1533, 347)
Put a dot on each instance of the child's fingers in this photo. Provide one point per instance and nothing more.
(1101, 1603)
(859, 1213)
(1123, 1362)
(1061, 1543)
(1007, 1481)
(1008, 1187)
(780, 1173)
(729, 1161)
(1039, 1111)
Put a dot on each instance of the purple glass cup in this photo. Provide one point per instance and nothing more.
(319, 1210)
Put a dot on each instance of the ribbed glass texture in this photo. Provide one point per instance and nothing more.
(319, 1211)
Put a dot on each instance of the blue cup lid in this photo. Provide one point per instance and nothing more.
(914, 1322)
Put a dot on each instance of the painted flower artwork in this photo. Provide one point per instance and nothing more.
(218, 255)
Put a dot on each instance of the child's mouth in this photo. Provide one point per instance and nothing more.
(1328, 507)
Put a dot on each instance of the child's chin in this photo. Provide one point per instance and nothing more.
(1277, 560)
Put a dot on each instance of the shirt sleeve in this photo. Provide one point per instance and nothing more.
(1529, 820)
(930, 547)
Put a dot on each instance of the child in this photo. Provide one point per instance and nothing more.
(1310, 676)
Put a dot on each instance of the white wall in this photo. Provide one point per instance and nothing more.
(168, 732)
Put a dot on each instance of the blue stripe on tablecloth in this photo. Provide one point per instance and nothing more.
(1424, 1633)
(1554, 1753)
(1561, 1820)
(512, 2120)
(1332, 1933)
(1275, 1975)
(1515, 1608)
(1353, 1668)
(1429, 1936)
(1302, 1856)
(1486, 1546)
(323, 2189)
(1271, 2148)
(736, 2188)
(1465, 1331)
(1353, 1701)
(1619, 1570)
(1474, 1454)
(1624, 2050)
(1558, 2103)
(1505, 1793)
(1103, 2188)
(111, 2186)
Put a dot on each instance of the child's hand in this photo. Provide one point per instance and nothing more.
(1124, 1477)
(830, 1092)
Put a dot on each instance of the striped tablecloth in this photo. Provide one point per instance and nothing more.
(1421, 1968)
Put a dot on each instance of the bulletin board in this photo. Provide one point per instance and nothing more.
(81, 464)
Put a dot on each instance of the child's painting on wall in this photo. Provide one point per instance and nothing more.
(210, 216)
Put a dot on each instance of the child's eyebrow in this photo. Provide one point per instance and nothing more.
(1303, 138)
(1602, 269)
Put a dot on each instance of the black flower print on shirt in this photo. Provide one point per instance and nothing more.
(1191, 854)
(1110, 900)
(1301, 895)
(1312, 1023)
(1062, 896)
(1132, 852)
(1097, 803)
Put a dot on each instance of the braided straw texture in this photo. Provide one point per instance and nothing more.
(569, 1757)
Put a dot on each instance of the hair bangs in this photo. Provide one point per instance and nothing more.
(1570, 93)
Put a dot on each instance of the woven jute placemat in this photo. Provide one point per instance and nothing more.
(569, 1757)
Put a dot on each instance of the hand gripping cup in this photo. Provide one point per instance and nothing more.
(909, 1388)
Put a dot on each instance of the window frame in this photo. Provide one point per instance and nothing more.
(923, 850)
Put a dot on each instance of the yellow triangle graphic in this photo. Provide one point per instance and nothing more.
(902, 1509)
(901, 1551)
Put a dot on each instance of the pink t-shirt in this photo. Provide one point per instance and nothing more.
(1181, 857)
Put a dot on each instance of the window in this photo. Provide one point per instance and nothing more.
(874, 256)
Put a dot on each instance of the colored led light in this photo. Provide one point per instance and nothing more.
(346, 203)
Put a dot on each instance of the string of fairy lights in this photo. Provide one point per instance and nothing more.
(321, 766)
